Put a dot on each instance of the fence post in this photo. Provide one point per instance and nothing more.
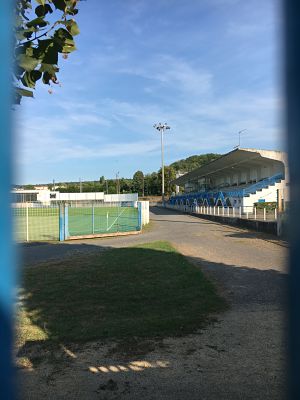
(93, 219)
(275, 213)
(218, 210)
(233, 212)
(223, 211)
(240, 211)
(139, 216)
(61, 222)
(255, 213)
(264, 213)
(66, 221)
(27, 224)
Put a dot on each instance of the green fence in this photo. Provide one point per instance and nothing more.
(33, 222)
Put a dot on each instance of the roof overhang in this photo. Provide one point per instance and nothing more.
(238, 158)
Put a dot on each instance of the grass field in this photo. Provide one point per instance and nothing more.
(147, 291)
(43, 223)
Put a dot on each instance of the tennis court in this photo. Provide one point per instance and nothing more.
(93, 220)
(42, 223)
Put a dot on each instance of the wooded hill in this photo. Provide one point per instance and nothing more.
(190, 163)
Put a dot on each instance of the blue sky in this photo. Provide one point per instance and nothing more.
(208, 68)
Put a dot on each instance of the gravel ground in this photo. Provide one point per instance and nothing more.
(240, 356)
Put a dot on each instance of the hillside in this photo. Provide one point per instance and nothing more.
(190, 163)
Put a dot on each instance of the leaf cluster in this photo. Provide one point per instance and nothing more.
(40, 38)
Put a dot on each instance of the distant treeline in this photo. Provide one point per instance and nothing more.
(144, 184)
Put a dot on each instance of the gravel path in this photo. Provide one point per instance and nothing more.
(240, 356)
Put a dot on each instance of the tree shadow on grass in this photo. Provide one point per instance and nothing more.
(119, 305)
(118, 293)
(133, 297)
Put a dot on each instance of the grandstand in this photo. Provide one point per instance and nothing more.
(240, 178)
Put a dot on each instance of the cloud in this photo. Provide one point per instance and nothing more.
(173, 72)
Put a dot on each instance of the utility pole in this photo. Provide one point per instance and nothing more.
(143, 185)
(118, 182)
(162, 128)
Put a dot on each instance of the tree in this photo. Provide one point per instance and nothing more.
(152, 187)
(28, 187)
(170, 175)
(138, 182)
(38, 42)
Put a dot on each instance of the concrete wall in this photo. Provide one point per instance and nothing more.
(79, 196)
(145, 212)
(130, 197)
(259, 226)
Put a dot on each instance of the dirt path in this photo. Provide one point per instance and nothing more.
(240, 356)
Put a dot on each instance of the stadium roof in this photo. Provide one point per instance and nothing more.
(238, 158)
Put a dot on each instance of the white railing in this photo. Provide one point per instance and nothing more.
(244, 212)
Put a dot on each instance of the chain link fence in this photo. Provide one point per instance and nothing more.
(65, 220)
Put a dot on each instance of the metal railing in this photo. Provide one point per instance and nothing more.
(244, 212)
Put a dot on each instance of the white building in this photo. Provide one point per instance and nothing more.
(48, 196)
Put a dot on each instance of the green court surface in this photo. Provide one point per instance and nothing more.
(101, 220)
(38, 224)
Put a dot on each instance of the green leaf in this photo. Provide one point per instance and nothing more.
(46, 78)
(25, 33)
(73, 12)
(29, 79)
(64, 41)
(41, 11)
(27, 62)
(73, 27)
(59, 4)
(29, 51)
(51, 69)
(42, 2)
(62, 34)
(37, 22)
(51, 55)
(24, 92)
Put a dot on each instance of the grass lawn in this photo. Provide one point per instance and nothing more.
(146, 291)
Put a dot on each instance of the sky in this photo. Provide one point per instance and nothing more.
(209, 68)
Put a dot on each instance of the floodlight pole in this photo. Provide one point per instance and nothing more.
(243, 130)
(161, 128)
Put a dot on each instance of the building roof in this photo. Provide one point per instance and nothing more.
(238, 158)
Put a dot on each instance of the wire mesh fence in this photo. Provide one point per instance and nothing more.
(32, 223)
(59, 221)
(102, 219)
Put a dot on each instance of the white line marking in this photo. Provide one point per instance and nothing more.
(115, 220)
